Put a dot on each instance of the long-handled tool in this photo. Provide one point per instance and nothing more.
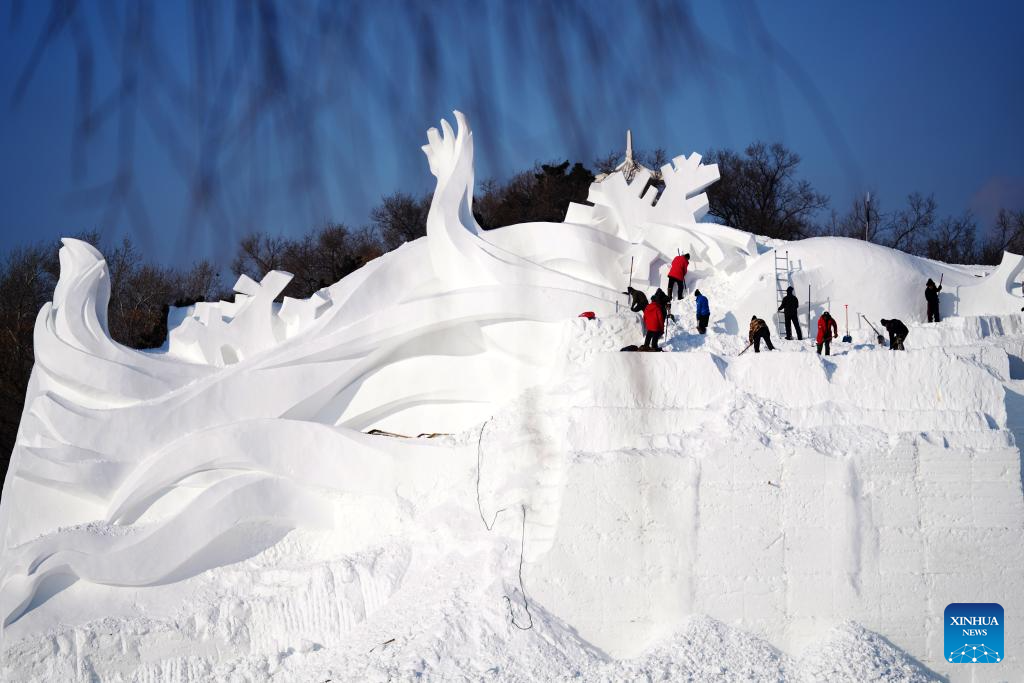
(847, 338)
(881, 339)
(809, 335)
(629, 282)
(749, 344)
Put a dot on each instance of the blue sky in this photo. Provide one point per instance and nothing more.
(880, 96)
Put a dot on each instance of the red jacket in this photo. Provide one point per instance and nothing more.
(654, 319)
(680, 264)
(824, 331)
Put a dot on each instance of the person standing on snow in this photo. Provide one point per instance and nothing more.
(677, 275)
(931, 295)
(664, 302)
(790, 305)
(703, 312)
(897, 333)
(827, 331)
(654, 323)
(758, 333)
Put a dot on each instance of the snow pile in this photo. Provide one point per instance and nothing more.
(850, 653)
(215, 509)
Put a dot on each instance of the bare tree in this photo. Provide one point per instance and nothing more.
(258, 254)
(953, 240)
(653, 160)
(201, 282)
(400, 218)
(759, 192)
(914, 228)
(909, 227)
(1007, 235)
(607, 163)
(863, 221)
(316, 260)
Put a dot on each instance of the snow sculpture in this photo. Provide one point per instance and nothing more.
(620, 206)
(223, 333)
(111, 434)
(143, 469)
(626, 205)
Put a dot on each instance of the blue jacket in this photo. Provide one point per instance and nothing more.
(702, 305)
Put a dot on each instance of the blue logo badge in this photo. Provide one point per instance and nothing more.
(974, 633)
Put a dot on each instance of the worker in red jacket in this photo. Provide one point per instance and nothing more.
(827, 330)
(677, 275)
(654, 322)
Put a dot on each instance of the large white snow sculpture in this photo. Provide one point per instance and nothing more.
(430, 338)
(643, 487)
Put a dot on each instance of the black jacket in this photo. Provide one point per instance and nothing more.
(932, 294)
(790, 304)
(896, 328)
(639, 300)
(661, 298)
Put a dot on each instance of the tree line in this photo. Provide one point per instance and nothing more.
(760, 191)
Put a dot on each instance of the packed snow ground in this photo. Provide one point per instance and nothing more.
(214, 511)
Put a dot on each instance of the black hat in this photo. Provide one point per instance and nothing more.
(884, 321)
(930, 282)
(687, 256)
(753, 318)
(789, 289)
(696, 292)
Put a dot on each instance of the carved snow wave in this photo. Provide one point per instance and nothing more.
(254, 410)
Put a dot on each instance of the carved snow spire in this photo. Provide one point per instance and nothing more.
(629, 165)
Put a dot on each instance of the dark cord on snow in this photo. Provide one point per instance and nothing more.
(522, 589)
(522, 540)
(479, 460)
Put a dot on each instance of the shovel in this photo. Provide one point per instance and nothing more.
(881, 339)
(847, 338)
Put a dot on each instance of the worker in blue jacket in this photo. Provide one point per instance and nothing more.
(703, 312)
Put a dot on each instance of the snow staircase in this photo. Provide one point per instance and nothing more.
(781, 283)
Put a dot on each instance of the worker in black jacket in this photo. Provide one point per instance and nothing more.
(897, 333)
(790, 305)
(638, 300)
(931, 295)
(664, 302)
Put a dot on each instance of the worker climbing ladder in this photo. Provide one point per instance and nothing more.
(781, 283)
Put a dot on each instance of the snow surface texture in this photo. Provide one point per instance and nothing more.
(215, 511)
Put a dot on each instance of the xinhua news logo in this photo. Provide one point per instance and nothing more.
(974, 633)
